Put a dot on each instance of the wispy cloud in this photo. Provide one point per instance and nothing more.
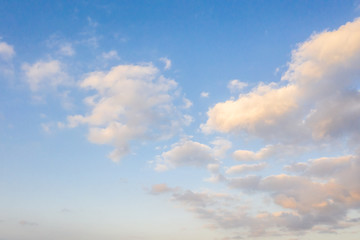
(167, 62)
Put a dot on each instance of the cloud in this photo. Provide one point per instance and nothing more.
(312, 202)
(316, 99)
(204, 94)
(127, 103)
(186, 153)
(221, 146)
(7, 51)
(187, 103)
(167, 63)
(43, 74)
(279, 151)
(67, 49)
(236, 86)
(27, 223)
(160, 189)
(243, 168)
(314, 109)
(110, 55)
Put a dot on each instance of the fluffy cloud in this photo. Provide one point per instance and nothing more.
(45, 74)
(317, 98)
(130, 102)
(186, 153)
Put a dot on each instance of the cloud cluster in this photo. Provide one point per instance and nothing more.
(322, 192)
(318, 197)
(317, 102)
(129, 102)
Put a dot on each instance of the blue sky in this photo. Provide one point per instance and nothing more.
(197, 120)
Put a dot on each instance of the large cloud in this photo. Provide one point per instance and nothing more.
(318, 97)
(129, 102)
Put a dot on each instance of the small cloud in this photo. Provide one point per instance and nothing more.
(167, 63)
(187, 103)
(46, 127)
(44, 73)
(66, 50)
(277, 70)
(6, 51)
(110, 55)
(236, 85)
(92, 23)
(66, 210)
(204, 94)
(160, 188)
(27, 223)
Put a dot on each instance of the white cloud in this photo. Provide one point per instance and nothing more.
(131, 102)
(236, 85)
(110, 55)
(167, 63)
(320, 83)
(7, 51)
(45, 74)
(244, 168)
(186, 153)
(204, 94)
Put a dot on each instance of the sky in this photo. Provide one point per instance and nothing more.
(199, 120)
